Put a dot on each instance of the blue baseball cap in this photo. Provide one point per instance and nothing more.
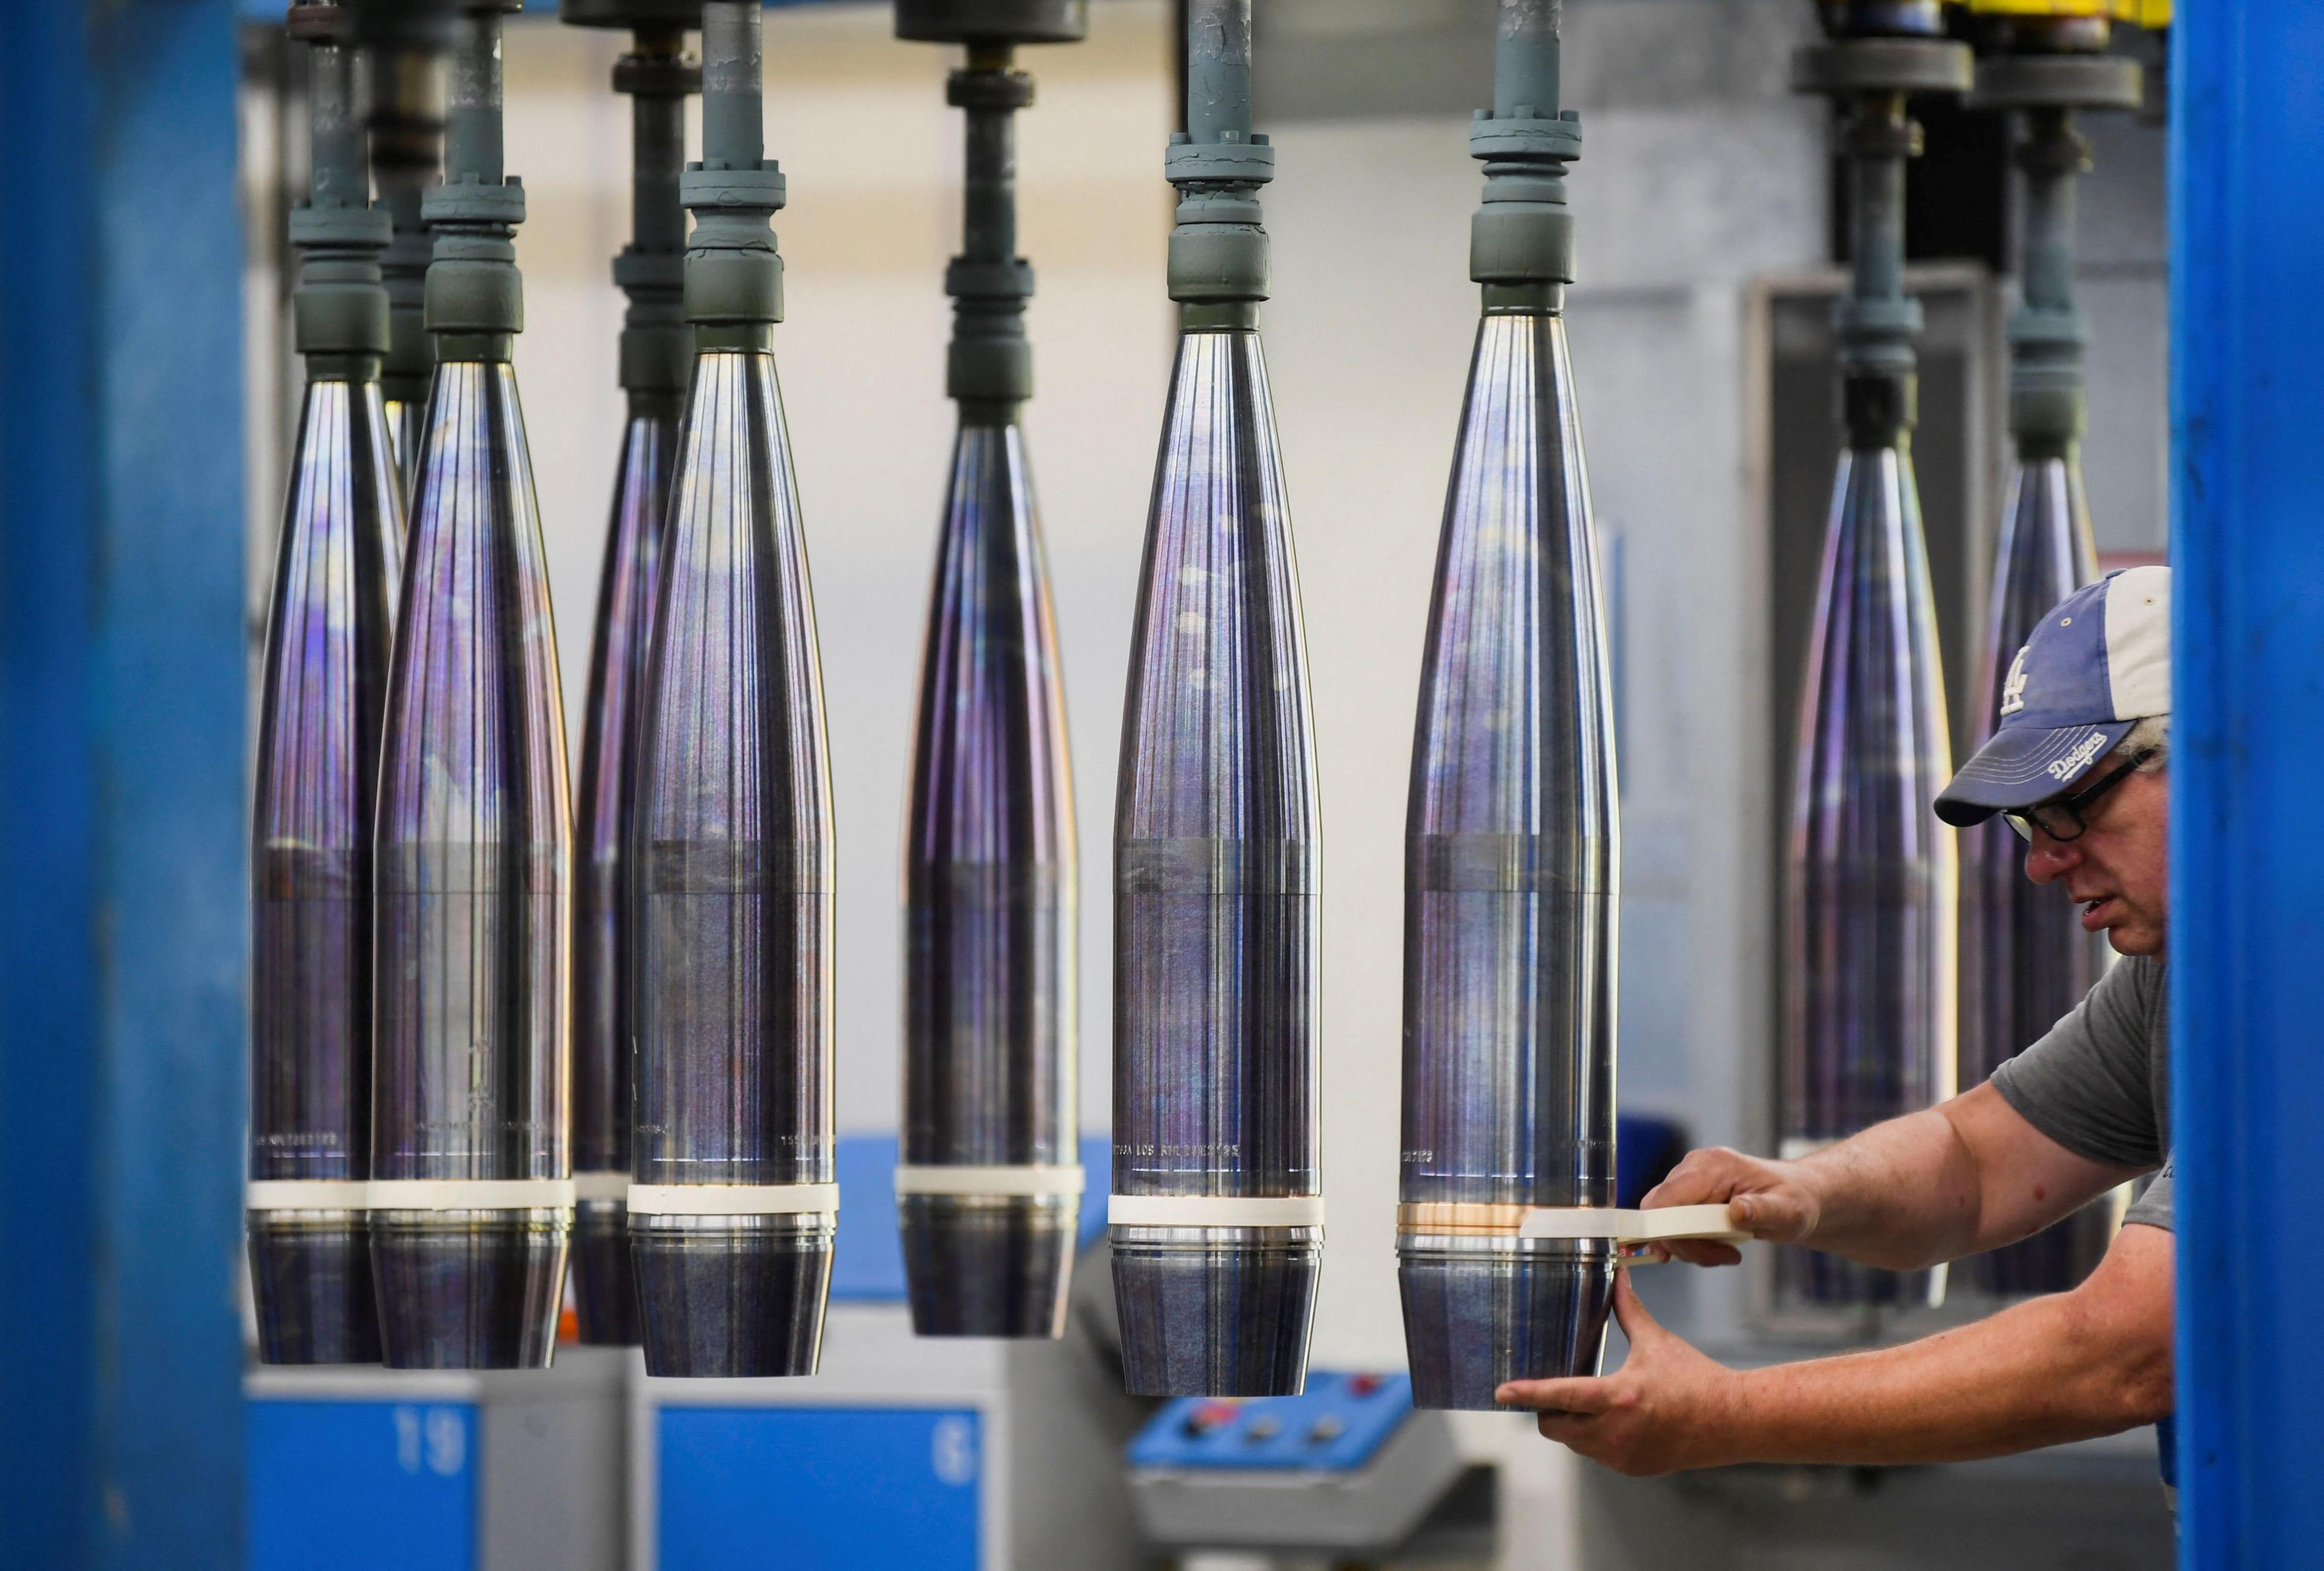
(2097, 664)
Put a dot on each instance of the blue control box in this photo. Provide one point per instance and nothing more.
(819, 1489)
(1337, 1426)
(360, 1485)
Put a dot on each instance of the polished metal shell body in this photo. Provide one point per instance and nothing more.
(989, 1039)
(2025, 961)
(473, 911)
(1512, 869)
(1871, 906)
(734, 828)
(321, 703)
(1215, 902)
(406, 427)
(605, 1293)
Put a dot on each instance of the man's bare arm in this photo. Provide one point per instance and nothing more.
(2067, 1366)
(2092, 1362)
(1967, 1176)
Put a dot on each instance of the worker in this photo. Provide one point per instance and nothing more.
(2078, 764)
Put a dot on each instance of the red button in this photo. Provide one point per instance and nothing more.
(1364, 1385)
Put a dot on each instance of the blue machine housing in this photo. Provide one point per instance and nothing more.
(837, 1487)
(360, 1483)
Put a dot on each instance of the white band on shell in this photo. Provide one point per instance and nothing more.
(1215, 1210)
(471, 1193)
(307, 1194)
(733, 1199)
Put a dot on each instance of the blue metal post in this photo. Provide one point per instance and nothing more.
(123, 662)
(2246, 847)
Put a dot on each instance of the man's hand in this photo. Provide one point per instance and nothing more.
(1662, 1410)
(1970, 1174)
(1772, 1201)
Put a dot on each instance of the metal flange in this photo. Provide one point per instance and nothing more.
(1884, 65)
(644, 76)
(630, 14)
(992, 21)
(2058, 81)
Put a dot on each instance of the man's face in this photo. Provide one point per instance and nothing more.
(2119, 870)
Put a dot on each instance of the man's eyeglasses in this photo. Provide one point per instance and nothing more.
(2065, 817)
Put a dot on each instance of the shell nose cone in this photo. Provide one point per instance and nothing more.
(990, 876)
(1214, 903)
(604, 1288)
(481, 1291)
(1871, 915)
(606, 902)
(1475, 1318)
(1225, 1313)
(311, 1284)
(735, 832)
(2025, 960)
(728, 1299)
(472, 903)
(1512, 888)
(330, 631)
(997, 1266)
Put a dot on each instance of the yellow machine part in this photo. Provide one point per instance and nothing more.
(2137, 13)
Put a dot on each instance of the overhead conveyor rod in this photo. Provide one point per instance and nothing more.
(657, 345)
(1878, 56)
(405, 43)
(407, 153)
(1521, 239)
(1220, 256)
(2053, 71)
(989, 366)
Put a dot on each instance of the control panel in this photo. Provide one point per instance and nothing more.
(1348, 1466)
(1336, 1426)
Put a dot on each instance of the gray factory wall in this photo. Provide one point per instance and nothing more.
(2123, 281)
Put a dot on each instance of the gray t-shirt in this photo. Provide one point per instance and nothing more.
(2099, 1084)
